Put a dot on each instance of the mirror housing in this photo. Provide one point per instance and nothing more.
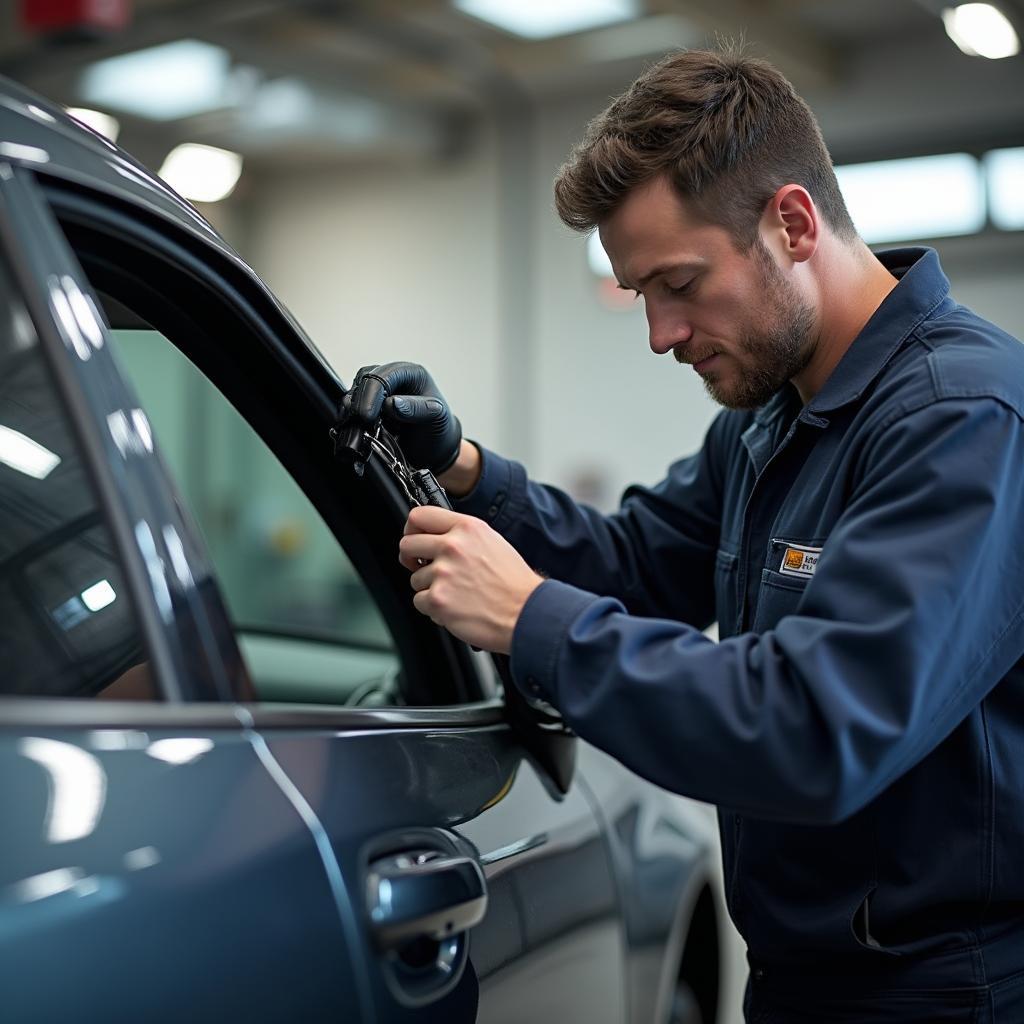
(550, 743)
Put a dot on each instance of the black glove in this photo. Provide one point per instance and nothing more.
(405, 396)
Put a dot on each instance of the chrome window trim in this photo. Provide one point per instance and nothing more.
(74, 713)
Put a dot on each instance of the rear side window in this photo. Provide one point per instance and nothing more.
(67, 627)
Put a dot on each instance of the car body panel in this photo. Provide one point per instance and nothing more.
(552, 933)
(160, 874)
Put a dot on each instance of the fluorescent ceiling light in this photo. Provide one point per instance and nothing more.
(25, 455)
(539, 19)
(1005, 169)
(98, 596)
(981, 30)
(203, 174)
(163, 82)
(923, 197)
(109, 127)
(597, 258)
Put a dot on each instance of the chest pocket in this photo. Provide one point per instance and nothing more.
(791, 567)
(726, 593)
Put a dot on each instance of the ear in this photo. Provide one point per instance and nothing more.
(791, 222)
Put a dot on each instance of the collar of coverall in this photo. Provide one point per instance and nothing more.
(922, 287)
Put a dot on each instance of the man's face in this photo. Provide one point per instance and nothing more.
(732, 316)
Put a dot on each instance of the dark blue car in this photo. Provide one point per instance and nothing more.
(240, 777)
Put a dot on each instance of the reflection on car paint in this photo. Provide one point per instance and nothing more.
(65, 315)
(131, 432)
(77, 787)
(20, 452)
(18, 152)
(155, 567)
(172, 541)
(83, 312)
(180, 749)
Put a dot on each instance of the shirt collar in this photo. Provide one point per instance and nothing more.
(922, 288)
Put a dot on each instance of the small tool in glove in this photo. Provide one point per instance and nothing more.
(356, 438)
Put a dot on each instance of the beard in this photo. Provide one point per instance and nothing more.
(770, 354)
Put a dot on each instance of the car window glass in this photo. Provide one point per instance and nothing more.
(67, 625)
(306, 623)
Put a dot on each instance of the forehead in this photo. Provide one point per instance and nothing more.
(654, 225)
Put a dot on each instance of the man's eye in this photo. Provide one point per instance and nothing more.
(683, 289)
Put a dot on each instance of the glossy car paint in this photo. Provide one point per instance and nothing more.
(161, 874)
(250, 890)
(550, 946)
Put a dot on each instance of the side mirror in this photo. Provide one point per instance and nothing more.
(542, 731)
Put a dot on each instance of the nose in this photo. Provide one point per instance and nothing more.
(666, 330)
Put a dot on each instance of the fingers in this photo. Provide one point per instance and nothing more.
(405, 378)
(366, 396)
(414, 409)
(432, 519)
(362, 371)
(428, 535)
(410, 527)
(422, 578)
(416, 550)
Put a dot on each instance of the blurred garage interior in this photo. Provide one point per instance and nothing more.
(386, 166)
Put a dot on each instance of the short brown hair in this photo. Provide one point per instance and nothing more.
(728, 130)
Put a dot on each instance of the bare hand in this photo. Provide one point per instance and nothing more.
(474, 583)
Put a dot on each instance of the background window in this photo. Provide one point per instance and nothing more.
(67, 627)
(307, 625)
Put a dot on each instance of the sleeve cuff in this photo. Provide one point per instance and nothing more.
(537, 639)
(501, 481)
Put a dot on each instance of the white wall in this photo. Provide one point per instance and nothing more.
(987, 274)
(604, 400)
(392, 263)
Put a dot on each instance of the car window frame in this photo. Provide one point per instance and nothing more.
(94, 222)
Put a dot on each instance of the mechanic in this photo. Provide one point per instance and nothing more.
(853, 523)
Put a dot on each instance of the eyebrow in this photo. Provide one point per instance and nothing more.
(663, 268)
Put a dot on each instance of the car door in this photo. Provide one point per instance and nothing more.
(477, 882)
(153, 866)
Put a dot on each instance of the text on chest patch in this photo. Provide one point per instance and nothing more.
(798, 560)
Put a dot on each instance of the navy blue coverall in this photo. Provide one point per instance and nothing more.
(860, 726)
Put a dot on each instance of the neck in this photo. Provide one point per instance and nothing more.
(851, 285)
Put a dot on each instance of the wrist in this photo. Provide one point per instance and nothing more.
(464, 473)
(523, 594)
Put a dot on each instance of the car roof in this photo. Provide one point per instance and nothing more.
(40, 135)
(43, 136)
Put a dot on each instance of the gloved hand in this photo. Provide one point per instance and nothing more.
(405, 396)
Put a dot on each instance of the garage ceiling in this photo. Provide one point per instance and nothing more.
(415, 76)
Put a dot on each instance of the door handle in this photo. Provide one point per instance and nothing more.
(423, 894)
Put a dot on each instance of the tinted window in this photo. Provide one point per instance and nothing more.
(306, 623)
(67, 627)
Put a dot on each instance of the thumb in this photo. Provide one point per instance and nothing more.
(419, 409)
